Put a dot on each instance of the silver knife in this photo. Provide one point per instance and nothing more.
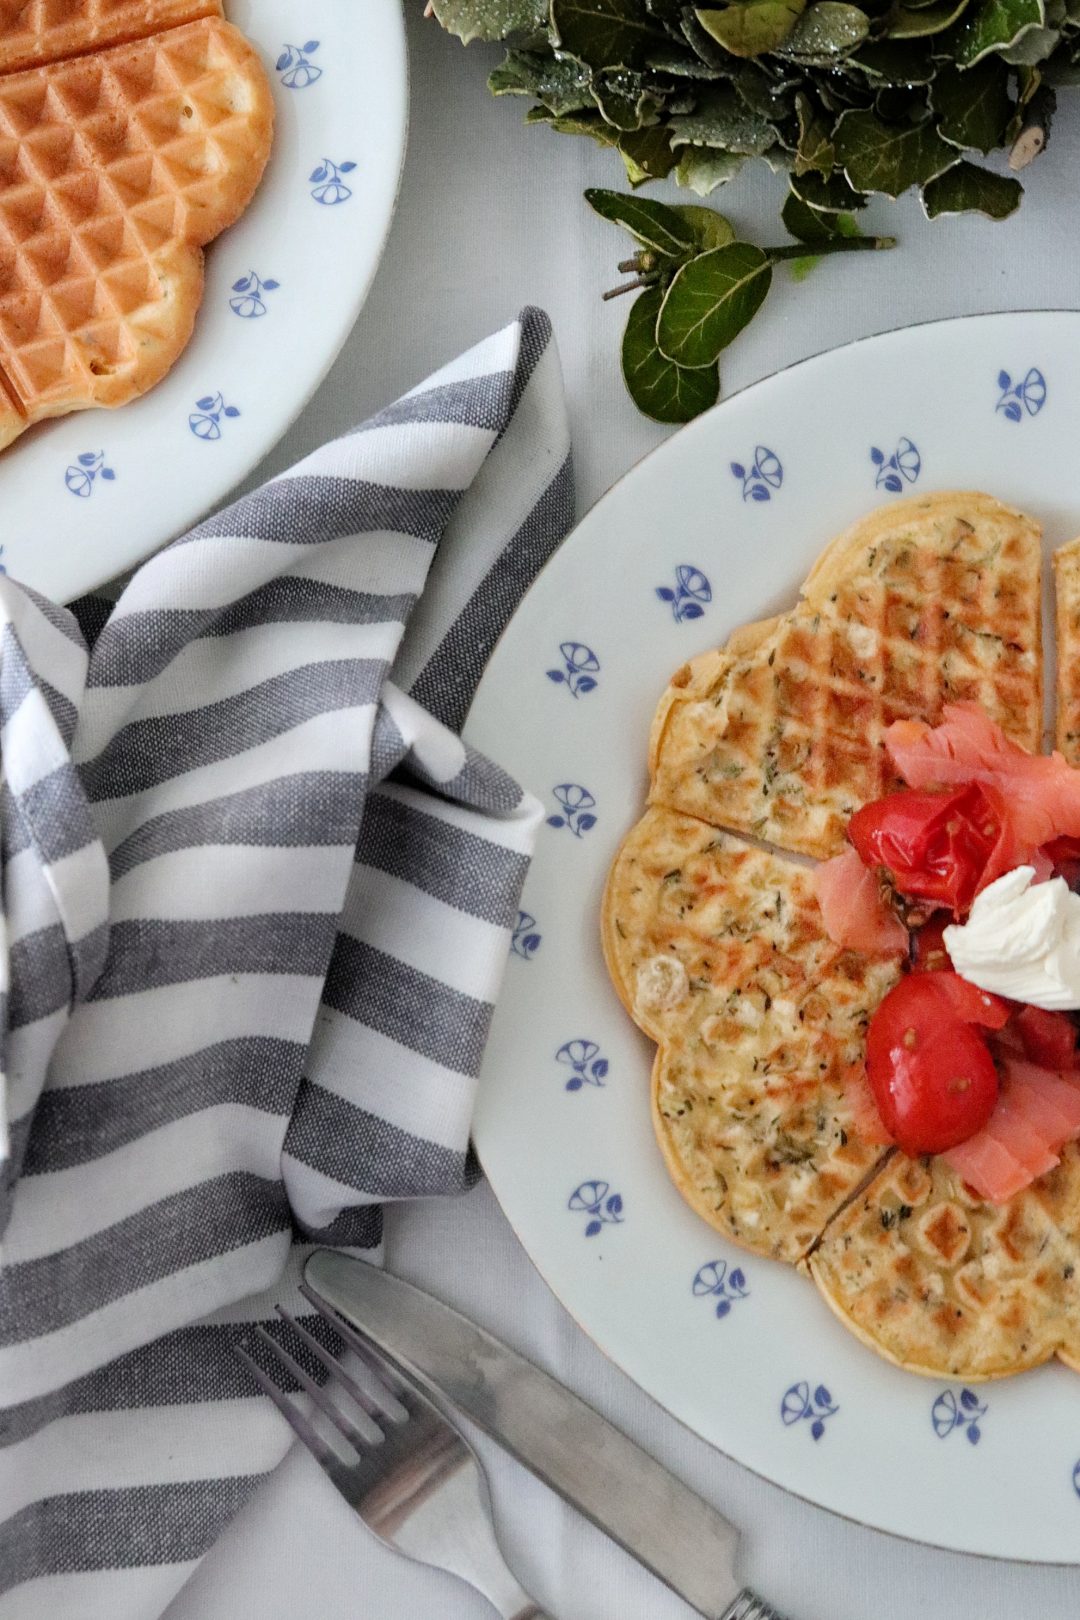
(591, 1464)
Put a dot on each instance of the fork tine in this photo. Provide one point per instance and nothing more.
(384, 1374)
(297, 1421)
(333, 1366)
(362, 1435)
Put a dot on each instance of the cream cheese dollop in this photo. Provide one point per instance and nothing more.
(1022, 940)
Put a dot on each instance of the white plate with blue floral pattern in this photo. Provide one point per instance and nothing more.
(716, 528)
(86, 497)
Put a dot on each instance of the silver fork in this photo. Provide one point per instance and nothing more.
(413, 1478)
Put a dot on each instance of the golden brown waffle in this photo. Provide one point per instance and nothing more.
(36, 31)
(718, 951)
(1067, 595)
(115, 169)
(926, 601)
(949, 1286)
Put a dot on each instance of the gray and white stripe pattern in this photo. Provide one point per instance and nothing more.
(257, 896)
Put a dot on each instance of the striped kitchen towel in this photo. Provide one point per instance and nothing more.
(257, 898)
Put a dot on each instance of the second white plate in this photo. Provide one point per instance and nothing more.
(86, 497)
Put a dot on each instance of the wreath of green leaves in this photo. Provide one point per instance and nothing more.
(847, 100)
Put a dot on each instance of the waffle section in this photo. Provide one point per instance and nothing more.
(718, 951)
(780, 733)
(943, 1284)
(33, 32)
(115, 169)
(1067, 605)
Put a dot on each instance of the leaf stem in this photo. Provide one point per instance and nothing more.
(627, 287)
(840, 244)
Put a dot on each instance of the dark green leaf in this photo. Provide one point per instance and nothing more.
(712, 54)
(894, 62)
(826, 33)
(1035, 45)
(604, 33)
(711, 230)
(815, 149)
(966, 188)
(624, 98)
(647, 154)
(890, 157)
(582, 123)
(703, 170)
(561, 84)
(993, 25)
(723, 120)
(490, 19)
(663, 390)
(974, 106)
(919, 22)
(832, 196)
(763, 94)
(897, 104)
(653, 224)
(752, 27)
(709, 302)
(678, 64)
(808, 224)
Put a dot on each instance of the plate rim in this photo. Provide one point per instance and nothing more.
(973, 319)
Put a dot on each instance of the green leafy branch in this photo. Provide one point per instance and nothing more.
(700, 286)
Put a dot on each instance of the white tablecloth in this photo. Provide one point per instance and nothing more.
(490, 218)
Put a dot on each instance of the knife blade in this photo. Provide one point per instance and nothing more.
(591, 1464)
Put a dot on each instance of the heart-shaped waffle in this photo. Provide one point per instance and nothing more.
(717, 946)
(116, 167)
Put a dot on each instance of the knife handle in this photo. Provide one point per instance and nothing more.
(747, 1606)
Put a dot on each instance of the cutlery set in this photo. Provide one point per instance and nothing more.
(406, 1470)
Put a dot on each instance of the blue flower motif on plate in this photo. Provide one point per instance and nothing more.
(1015, 399)
(1076, 1479)
(247, 299)
(596, 1199)
(577, 805)
(295, 67)
(205, 419)
(691, 594)
(902, 467)
(964, 1411)
(84, 472)
(717, 1282)
(525, 941)
(327, 186)
(814, 1407)
(759, 480)
(579, 671)
(589, 1066)
(3, 564)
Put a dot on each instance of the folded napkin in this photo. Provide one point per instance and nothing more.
(257, 898)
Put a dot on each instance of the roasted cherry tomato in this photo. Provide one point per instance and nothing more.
(929, 946)
(930, 1070)
(943, 847)
(1047, 1038)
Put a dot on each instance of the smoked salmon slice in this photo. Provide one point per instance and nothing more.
(1042, 791)
(868, 1123)
(1037, 1112)
(854, 914)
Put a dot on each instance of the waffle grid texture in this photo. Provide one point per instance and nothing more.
(116, 167)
